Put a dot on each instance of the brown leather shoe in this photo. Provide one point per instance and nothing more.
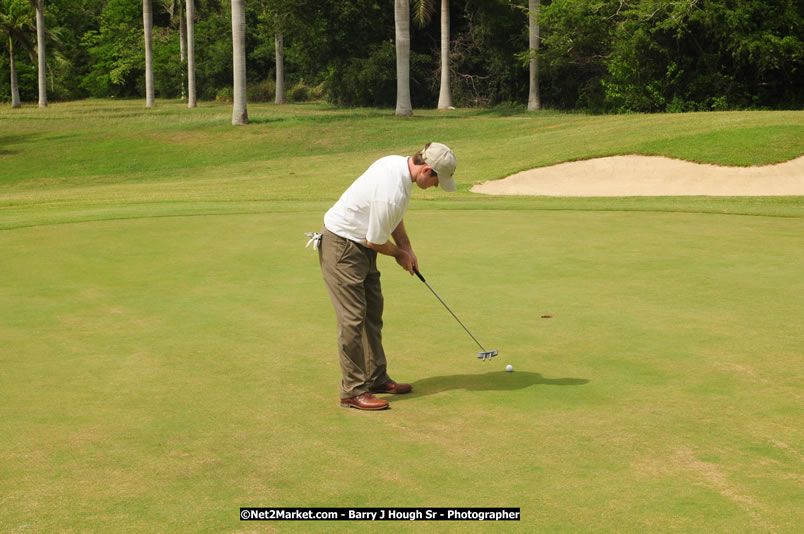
(392, 387)
(366, 401)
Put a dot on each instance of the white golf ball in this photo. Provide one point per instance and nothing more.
(509, 367)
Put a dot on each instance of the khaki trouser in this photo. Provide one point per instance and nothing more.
(350, 272)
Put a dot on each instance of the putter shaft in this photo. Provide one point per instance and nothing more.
(483, 355)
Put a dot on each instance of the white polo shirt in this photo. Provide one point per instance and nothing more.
(373, 206)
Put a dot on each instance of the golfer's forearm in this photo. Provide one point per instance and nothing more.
(401, 237)
(388, 248)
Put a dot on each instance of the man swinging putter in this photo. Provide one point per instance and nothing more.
(359, 225)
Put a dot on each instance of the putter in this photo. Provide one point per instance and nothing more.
(485, 354)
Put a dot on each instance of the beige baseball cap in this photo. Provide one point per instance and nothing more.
(443, 161)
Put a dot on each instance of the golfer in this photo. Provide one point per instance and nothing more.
(361, 224)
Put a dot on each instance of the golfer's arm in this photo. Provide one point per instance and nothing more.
(393, 248)
(401, 237)
(388, 248)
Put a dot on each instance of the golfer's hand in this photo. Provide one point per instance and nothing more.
(407, 260)
(414, 262)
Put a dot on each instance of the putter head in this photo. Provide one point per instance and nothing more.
(487, 354)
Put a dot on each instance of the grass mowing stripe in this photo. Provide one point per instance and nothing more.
(25, 215)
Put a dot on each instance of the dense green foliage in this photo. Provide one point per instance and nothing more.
(598, 55)
(655, 55)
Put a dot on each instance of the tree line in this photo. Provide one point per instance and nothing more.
(593, 55)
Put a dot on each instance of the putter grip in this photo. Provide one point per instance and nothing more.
(415, 270)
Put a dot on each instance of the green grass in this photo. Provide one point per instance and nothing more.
(168, 345)
(100, 159)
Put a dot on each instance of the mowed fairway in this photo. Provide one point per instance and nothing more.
(168, 352)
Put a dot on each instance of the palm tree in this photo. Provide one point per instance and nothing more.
(39, 5)
(402, 24)
(445, 95)
(147, 24)
(533, 38)
(280, 67)
(176, 12)
(239, 111)
(423, 10)
(16, 26)
(280, 14)
(191, 100)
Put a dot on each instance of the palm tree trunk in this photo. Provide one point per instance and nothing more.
(15, 88)
(239, 111)
(183, 51)
(445, 96)
(147, 24)
(280, 68)
(402, 23)
(191, 101)
(533, 33)
(40, 48)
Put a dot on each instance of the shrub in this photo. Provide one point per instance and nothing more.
(298, 92)
(225, 94)
(261, 91)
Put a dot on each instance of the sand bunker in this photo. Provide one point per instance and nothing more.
(625, 176)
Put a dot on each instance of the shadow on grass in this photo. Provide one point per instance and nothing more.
(15, 140)
(494, 381)
(265, 120)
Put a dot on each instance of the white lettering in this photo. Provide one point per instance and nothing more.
(411, 516)
(357, 514)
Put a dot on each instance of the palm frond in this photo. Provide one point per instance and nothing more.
(169, 6)
(423, 11)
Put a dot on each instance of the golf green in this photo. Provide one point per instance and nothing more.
(161, 372)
